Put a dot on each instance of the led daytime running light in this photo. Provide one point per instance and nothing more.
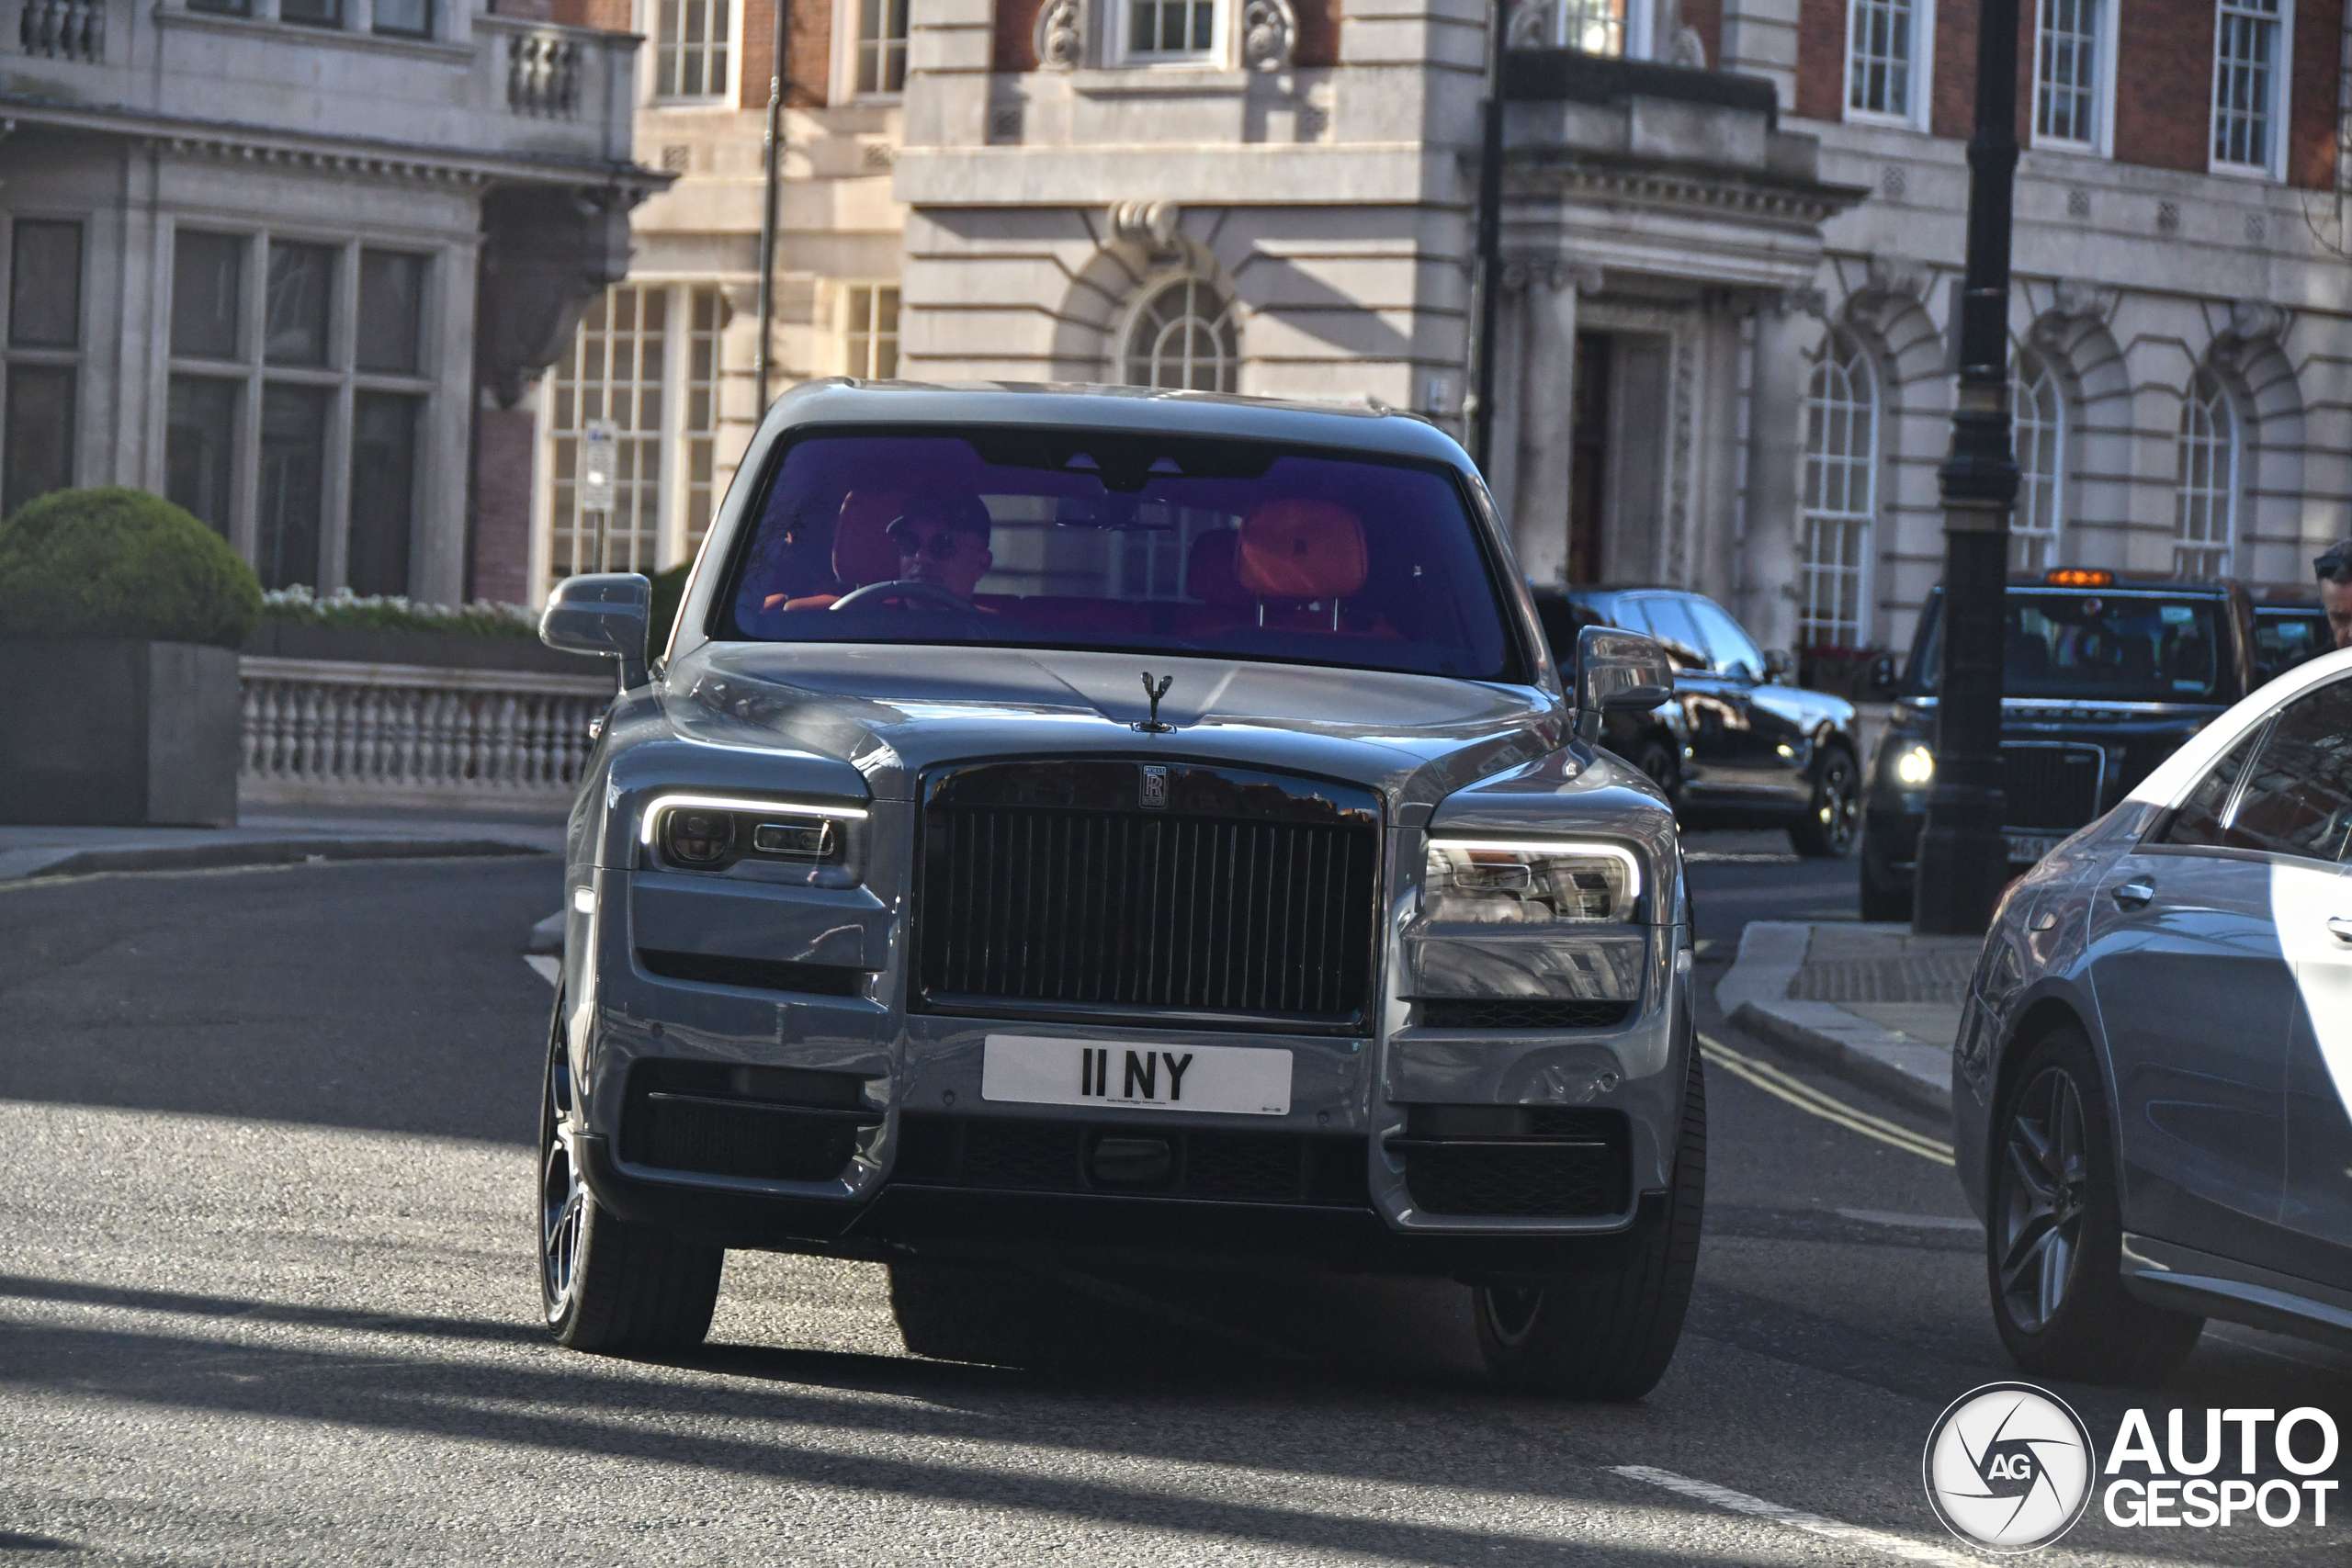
(1555, 847)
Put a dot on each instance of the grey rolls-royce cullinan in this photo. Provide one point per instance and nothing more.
(1075, 827)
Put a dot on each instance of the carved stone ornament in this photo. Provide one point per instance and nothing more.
(1151, 223)
(1530, 25)
(1688, 49)
(1554, 273)
(2254, 322)
(1060, 36)
(547, 252)
(1268, 30)
(1898, 274)
(2078, 302)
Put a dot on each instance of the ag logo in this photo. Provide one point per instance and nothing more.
(2009, 1467)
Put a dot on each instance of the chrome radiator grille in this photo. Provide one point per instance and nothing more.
(1052, 889)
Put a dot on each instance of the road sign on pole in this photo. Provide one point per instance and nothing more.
(599, 449)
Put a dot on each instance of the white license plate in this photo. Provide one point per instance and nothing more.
(2024, 847)
(1033, 1069)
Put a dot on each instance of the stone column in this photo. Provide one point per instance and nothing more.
(1546, 401)
(1776, 437)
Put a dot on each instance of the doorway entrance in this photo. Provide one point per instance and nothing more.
(1587, 457)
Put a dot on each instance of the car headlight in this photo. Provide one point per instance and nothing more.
(1914, 765)
(690, 832)
(1497, 883)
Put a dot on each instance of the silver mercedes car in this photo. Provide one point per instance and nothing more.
(1088, 828)
(2155, 1057)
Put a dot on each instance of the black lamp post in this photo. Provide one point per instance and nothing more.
(1489, 243)
(1962, 858)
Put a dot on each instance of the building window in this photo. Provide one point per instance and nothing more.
(690, 49)
(404, 19)
(647, 363)
(312, 13)
(2247, 60)
(2038, 423)
(2205, 486)
(881, 46)
(1595, 26)
(2069, 73)
(1184, 337)
(44, 385)
(1840, 500)
(1172, 28)
(870, 328)
(1884, 44)
(300, 438)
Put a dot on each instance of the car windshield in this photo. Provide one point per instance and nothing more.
(1121, 542)
(2099, 646)
(2284, 638)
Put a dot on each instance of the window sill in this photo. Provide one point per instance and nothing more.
(2245, 172)
(1873, 122)
(705, 105)
(308, 34)
(2073, 149)
(1142, 80)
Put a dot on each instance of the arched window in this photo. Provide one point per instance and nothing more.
(1184, 338)
(2205, 487)
(1841, 498)
(2038, 423)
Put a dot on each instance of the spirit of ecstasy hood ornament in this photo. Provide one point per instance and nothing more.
(1152, 726)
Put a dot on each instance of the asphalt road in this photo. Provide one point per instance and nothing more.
(266, 1296)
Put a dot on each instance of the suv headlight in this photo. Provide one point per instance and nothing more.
(692, 832)
(1497, 883)
(1914, 765)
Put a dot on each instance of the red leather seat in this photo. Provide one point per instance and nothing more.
(1299, 559)
(864, 552)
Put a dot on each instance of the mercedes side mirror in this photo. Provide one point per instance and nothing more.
(1779, 664)
(1883, 675)
(1618, 669)
(605, 614)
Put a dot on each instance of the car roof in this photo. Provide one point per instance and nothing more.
(1374, 429)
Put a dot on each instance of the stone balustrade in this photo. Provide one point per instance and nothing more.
(320, 731)
(543, 76)
(63, 29)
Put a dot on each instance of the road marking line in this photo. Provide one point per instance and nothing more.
(1797, 1519)
(547, 969)
(1828, 1107)
(1912, 1222)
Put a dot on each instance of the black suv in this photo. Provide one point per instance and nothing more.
(2103, 676)
(1736, 746)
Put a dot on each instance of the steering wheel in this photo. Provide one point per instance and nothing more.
(906, 590)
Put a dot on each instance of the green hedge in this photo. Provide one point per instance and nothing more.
(391, 612)
(120, 563)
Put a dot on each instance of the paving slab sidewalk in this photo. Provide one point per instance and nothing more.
(278, 835)
(1872, 1003)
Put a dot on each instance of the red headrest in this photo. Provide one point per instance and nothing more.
(1209, 572)
(863, 551)
(1298, 549)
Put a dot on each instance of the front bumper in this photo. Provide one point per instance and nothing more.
(1371, 1091)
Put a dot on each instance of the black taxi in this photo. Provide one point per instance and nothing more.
(2104, 674)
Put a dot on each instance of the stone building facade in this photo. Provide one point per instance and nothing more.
(271, 257)
(670, 356)
(1734, 230)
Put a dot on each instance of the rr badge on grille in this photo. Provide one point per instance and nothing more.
(1155, 787)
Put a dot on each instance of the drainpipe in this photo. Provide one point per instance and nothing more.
(774, 151)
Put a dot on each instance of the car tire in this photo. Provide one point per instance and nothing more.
(608, 1285)
(1884, 897)
(2054, 1231)
(1656, 761)
(997, 1315)
(1607, 1334)
(1833, 818)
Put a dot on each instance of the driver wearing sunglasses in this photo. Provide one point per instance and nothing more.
(943, 541)
(2334, 570)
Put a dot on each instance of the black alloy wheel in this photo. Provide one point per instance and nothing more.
(1833, 818)
(1655, 758)
(2039, 1232)
(2055, 1231)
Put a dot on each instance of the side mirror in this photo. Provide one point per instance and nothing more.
(605, 614)
(1883, 675)
(1779, 664)
(1618, 669)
